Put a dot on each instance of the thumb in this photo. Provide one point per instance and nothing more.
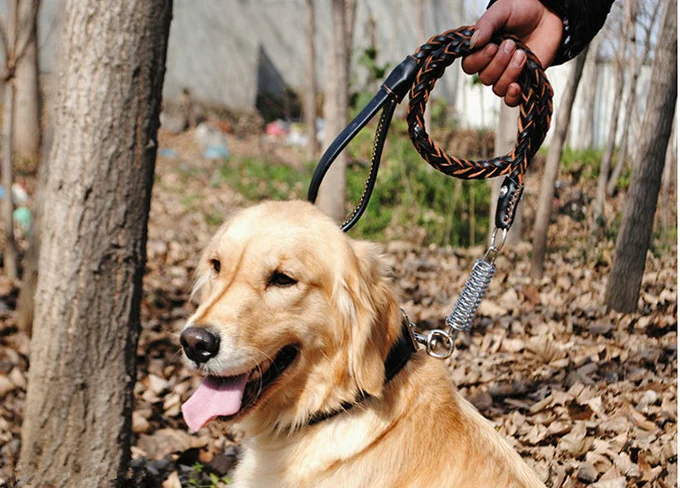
(493, 20)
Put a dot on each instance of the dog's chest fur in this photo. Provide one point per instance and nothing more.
(421, 433)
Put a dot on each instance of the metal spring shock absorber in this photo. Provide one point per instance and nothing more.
(439, 343)
(460, 319)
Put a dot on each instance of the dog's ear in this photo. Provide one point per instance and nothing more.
(374, 316)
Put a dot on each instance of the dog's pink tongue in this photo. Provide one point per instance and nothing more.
(215, 397)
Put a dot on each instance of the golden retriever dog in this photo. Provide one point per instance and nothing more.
(294, 327)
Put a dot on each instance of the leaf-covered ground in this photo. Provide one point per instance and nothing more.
(588, 397)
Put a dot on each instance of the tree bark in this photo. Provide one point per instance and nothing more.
(671, 162)
(27, 82)
(333, 189)
(552, 165)
(311, 95)
(77, 422)
(634, 237)
(10, 251)
(506, 137)
(25, 300)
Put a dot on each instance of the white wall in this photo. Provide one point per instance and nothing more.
(215, 47)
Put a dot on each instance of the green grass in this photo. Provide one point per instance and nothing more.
(263, 180)
(584, 163)
(195, 478)
(408, 193)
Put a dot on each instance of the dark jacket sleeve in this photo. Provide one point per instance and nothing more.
(582, 20)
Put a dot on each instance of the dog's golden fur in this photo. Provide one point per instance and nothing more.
(343, 314)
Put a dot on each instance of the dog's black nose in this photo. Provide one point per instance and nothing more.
(199, 344)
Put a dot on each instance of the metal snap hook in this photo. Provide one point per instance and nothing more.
(492, 244)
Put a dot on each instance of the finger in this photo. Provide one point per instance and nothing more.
(474, 63)
(493, 20)
(493, 71)
(511, 73)
(513, 96)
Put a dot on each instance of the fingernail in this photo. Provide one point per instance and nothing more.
(474, 39)
(518, 58)
(490, 50)
(508, 46)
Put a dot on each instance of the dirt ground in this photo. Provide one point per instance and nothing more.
(587, 397)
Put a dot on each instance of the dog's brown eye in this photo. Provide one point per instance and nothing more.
(216, 265)
(280, 279)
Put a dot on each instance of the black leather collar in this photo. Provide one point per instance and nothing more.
(397, 358)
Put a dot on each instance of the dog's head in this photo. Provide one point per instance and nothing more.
(295, 318)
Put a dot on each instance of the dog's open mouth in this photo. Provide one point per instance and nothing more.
(228, 396)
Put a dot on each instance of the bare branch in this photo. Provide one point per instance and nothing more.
(27, 27)
(13, 7)
(5, 40)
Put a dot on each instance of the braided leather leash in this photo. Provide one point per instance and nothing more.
(419, 73)
(534, 121)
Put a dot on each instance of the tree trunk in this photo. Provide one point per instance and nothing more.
(332, 193)
(552, 165)
(506, 137)
(311, 95)
(638, 216)
(77, 422)
(605, 164)
(622, 160)
(591, 74)
(671, 162)
(27, 83)
(631, 107)
(10, 251)
(26, 301)
(422, 39)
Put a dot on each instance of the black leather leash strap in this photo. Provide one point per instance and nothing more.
(391, 92)
(419, 73)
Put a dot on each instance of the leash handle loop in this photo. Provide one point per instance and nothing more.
(419, 73)
(533, 123)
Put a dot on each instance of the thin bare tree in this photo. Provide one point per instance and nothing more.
(633, 241)
(15, 43)
(605, 163)
(591, 76)
(10, 251)
(552, 165)
(26, 136)
(76, 429)
(333, 190)
(634, 68)
(419, 6)
(311, 95)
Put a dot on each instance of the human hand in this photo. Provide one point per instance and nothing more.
(500, 66)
